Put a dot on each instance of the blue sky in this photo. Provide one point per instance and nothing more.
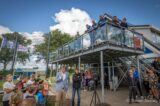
(36, 15)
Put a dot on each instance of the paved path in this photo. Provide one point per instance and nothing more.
(118, 98)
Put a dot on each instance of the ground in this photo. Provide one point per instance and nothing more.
(118, 98)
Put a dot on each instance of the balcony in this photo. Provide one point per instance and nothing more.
(112, 39)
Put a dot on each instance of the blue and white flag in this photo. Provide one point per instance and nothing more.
(22, 48)
(7, 43)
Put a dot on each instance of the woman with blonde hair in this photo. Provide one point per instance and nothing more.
(8, 88)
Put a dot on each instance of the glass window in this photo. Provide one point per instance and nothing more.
(154, 39)
(86, 41)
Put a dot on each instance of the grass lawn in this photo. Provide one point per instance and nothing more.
(1, 84)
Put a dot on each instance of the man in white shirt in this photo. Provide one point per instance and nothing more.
(8, 88)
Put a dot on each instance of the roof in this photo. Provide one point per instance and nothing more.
(153, 28)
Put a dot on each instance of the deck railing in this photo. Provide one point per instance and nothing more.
(108, 33)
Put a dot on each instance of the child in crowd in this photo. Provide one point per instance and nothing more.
(8, 88)
(29, 97)
(22, 84)
(30, 93)
(40, 96)
(31, 80)
(45, 88)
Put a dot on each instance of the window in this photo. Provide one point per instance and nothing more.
(155, 37)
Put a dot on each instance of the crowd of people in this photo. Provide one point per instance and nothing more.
(32, 91)
(150, 83)
(102, 20)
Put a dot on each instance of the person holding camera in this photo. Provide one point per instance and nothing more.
(76, 79)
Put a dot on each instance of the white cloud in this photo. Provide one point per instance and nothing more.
(36, 37)
(71, 21)
(4, 30)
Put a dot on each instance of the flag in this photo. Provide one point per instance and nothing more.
(7, 43)
(22, 48)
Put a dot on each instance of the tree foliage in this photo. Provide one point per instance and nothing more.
(6, 54)
(57, 39)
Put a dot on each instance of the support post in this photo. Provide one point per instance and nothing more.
(102, 74)
(57, 68)
(48, 53)
(51, 70)
(113, 76)
(139, 71)
(79, 63)
(109, 72)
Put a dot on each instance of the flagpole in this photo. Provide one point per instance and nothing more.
(2, 43)
(14, 55)
(49, 39)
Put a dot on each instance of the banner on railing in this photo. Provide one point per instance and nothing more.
(137, 42)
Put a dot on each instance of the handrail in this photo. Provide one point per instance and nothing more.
(151, 43)
(101, 26)
(103, 36)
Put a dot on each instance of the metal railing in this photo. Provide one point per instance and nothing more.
(108, 33)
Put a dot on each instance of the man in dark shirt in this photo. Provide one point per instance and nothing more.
(156, 66)
(101, 21)
(94, 24)
(77, 78)
(124, 23)
(115, 21)
(88, 28)
(132, 86)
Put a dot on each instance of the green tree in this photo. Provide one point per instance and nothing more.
(57, 39)
(6, 54)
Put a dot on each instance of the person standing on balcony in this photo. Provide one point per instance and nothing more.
(94, 24)
(76, 86)
(89, 29)
(77, 35)
(117, 37)
(124, 25)
(115, 21)
(78, 45)
(102, 20)
(94, 27)
(62, 84)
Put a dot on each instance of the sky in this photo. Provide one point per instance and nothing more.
(33, 18)
(41, 16)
